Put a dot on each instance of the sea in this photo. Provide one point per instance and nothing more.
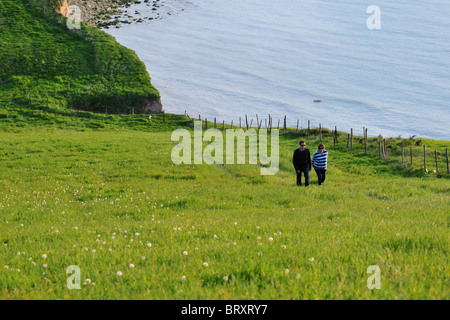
(382, 65)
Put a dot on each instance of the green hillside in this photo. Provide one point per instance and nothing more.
(42, 60)
(111, 202)
(82, 187)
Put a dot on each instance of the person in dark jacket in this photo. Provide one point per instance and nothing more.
(302, 163)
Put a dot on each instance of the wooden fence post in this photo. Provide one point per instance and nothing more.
(309, 126)
(379, 146)
(215, 124)
(297, 125)
(164, 115)
(365, 141)
(246, 121)
(223, 125)
(446, 153)
(403, 152)
(425, 158)
(257, 120)
(206, 123)
(351, 139)
(384, 149)
(437, 168)
(348, 139)
(320, 131)
(336, 133)
(240, 122)
(284, 126)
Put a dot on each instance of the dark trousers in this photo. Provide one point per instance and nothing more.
(321, 175)
(299, 176)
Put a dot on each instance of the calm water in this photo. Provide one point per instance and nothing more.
(228, 58)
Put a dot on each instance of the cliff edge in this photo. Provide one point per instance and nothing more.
(83, 69)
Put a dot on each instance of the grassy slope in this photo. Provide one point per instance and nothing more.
(74, 182)
(39, 56)
(78, 190)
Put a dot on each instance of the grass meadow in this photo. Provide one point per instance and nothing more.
(110, 201)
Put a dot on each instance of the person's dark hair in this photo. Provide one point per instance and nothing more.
(321, 145)
(302, 142)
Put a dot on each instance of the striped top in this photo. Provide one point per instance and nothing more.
(319, 161)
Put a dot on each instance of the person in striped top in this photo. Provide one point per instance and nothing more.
(319, 163)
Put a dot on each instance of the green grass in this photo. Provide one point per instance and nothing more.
(42, 60)
(65, 192)
(94, 189)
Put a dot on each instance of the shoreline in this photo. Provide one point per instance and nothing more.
(389, 131)
(108, 13)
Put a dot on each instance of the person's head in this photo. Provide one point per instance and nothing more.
(302, 145)
(321, 147)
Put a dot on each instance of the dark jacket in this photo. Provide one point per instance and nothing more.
(302, 159)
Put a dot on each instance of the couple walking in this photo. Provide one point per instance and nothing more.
(302, 163)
